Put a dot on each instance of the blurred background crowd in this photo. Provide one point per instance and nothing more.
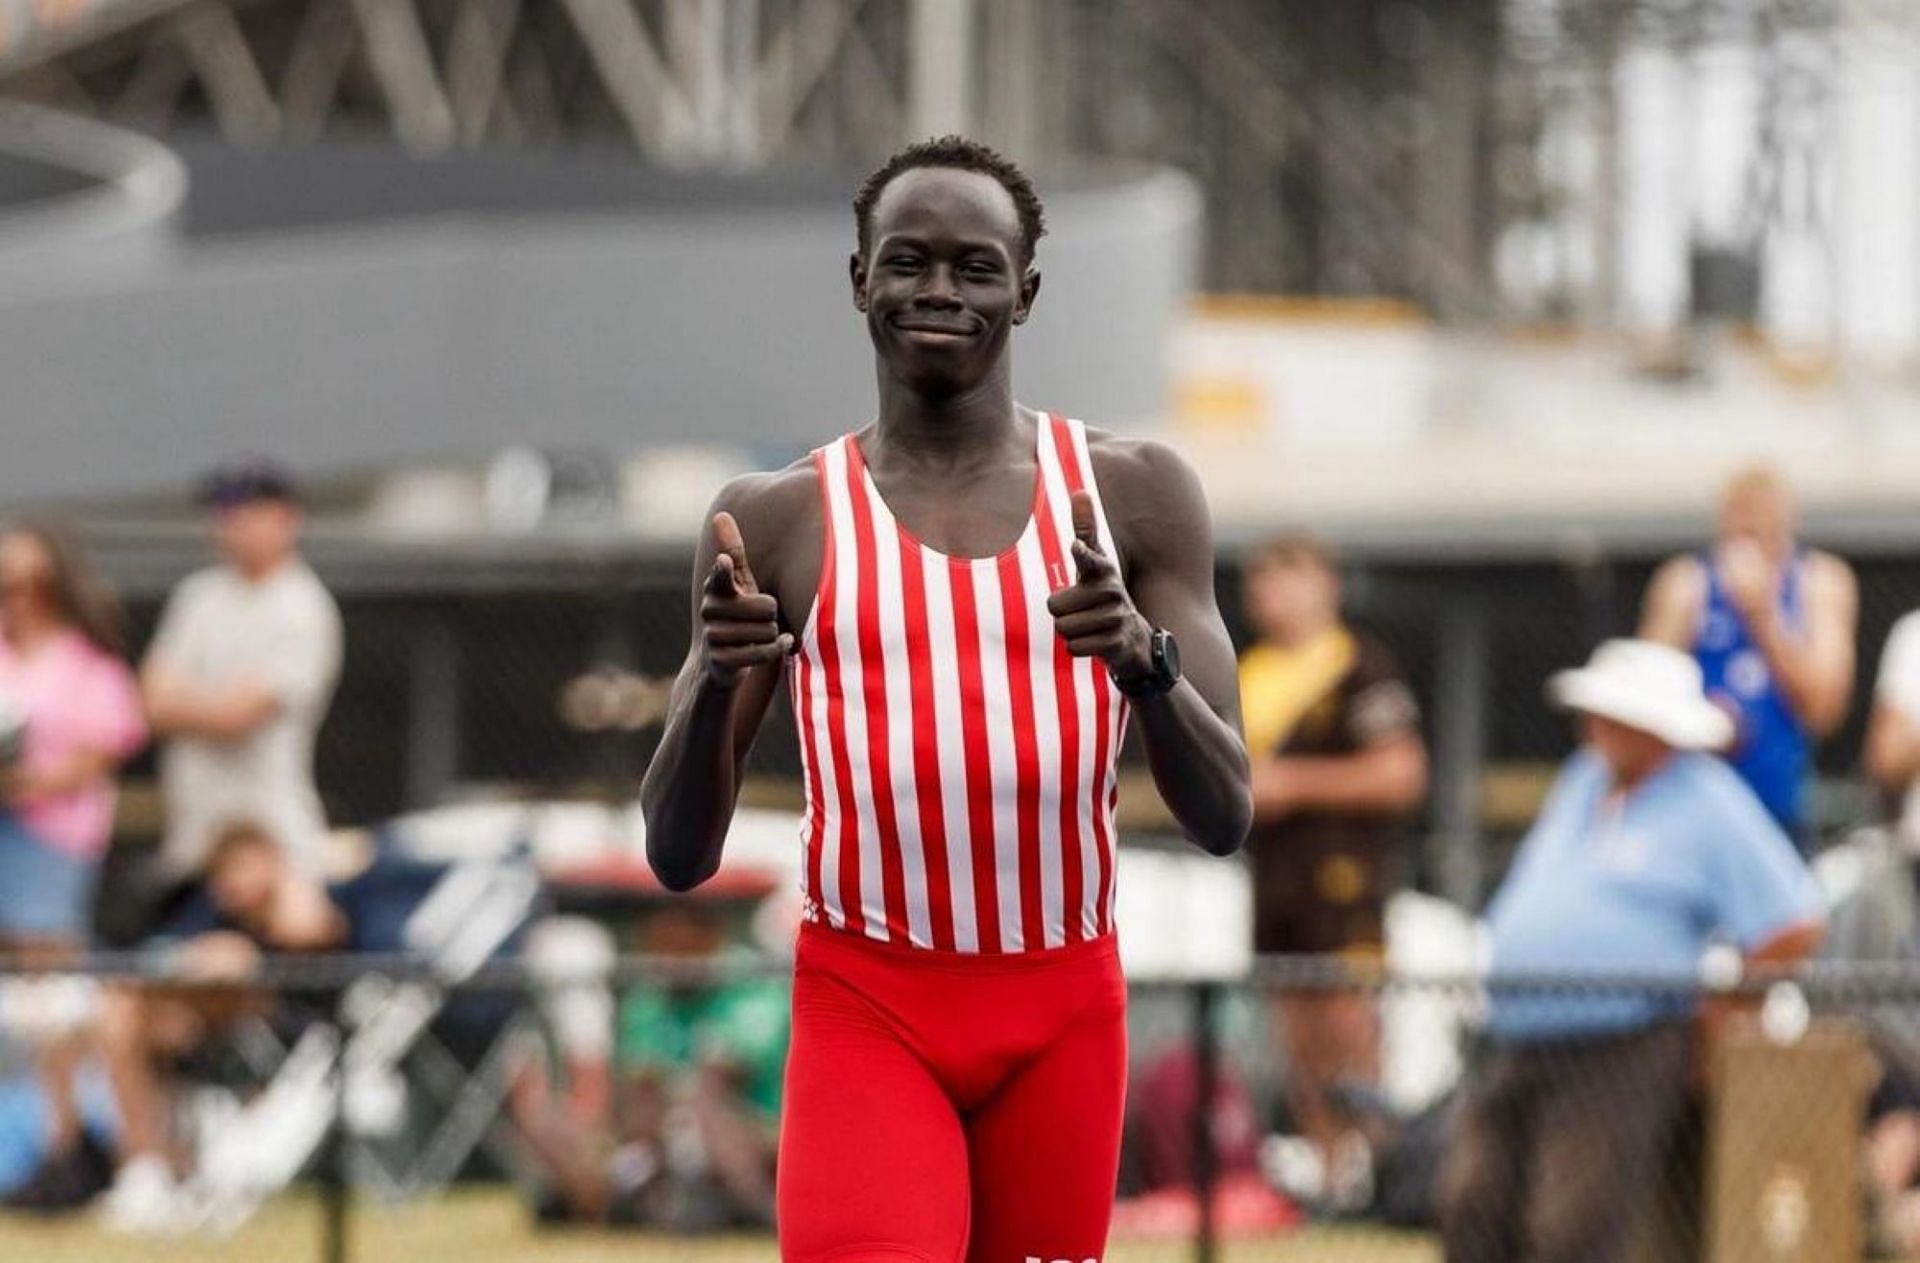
(1551, 368)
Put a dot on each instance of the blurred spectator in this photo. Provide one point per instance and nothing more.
(697, 1098)
(1880, 921)
(1337, 767)
(69, 715)
(1893, 731)
(239, 677)
(1891, 1163)
(255, 901)
(1162, 1095)
(568, 960)
(1646, 850)
(1772, 625)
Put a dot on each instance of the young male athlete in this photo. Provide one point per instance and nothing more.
(967, 599)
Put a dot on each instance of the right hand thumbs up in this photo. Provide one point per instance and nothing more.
(740, 625)
(731, 573)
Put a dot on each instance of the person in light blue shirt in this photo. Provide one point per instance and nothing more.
(1647, 851)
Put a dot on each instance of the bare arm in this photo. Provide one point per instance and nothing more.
(1671, 610)
(1814, 666)
(719, 701)
(1789, 947)
(175, 704)
(1893, 748)
(1388, 778)
(299, 677)
(1192, 733)
(79, 771)
(177, 709)
(303, 919)
(1781, 952)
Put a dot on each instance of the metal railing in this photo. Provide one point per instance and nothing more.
(1833, 1059)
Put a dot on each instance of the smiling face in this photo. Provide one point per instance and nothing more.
(944, 278)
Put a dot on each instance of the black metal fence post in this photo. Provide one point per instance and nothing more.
(1206, 1056)
(335, 1176)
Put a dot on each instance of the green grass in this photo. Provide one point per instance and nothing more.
(490, 1226)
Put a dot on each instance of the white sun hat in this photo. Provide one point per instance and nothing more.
(1654, 688)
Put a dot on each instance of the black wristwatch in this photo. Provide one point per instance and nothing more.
(1163, 670)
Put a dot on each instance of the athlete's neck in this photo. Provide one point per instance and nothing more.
(951, 430)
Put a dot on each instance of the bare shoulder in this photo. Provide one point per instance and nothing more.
(771, 504)
(1144, 470)
(1679, 579)
(1133, 461)
(1675, 596)
(1154, 501)
(1681, 569)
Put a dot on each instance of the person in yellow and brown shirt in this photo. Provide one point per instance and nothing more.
(1338, 766)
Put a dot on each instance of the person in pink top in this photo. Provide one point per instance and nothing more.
(70, 714)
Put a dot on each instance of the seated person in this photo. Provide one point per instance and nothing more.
(1892, 1157)
(254, 903)
(696, 1098)
(1879, 920)
(1647, 850)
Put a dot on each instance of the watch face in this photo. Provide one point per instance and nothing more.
(1168, 652)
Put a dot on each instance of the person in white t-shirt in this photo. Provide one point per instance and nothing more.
(1893, 733)
(239, 678)
(1879, 923)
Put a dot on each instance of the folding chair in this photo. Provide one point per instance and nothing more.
(462, 916)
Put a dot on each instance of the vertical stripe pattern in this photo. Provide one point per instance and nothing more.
(958, 762)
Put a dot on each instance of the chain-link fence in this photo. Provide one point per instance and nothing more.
(540, 671)
(379, 1109)
(492, 1120)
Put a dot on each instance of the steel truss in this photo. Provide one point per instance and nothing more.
(1373, 147)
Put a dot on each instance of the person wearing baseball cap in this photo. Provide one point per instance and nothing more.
(236, 682)
(1648, 850)
(248, 480)
(241, 672)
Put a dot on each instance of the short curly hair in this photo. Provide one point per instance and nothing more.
(961, 154)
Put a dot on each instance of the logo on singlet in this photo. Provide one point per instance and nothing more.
(1034, 1258)
(1747, 674)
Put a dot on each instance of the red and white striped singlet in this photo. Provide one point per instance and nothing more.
(959, 763)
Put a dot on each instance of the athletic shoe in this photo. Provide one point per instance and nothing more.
(1294, 1166)
(145, 1199)
(1349, 1176)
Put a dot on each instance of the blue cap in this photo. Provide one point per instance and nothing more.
(244, 481)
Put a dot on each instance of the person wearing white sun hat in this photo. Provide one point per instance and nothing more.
(1647, 851)
(1649, 688)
